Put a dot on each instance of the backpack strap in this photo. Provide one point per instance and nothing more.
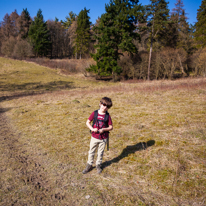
(106, 119)
(95, 117)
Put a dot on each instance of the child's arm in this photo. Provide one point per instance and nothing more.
(88, 123)
(107, 129)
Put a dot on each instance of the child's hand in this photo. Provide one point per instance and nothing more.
(95, 130)
(101, 131)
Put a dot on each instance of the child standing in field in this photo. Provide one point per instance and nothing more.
(102, 124)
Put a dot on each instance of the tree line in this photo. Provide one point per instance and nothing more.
(129, 40)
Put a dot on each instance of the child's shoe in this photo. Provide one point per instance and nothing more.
(87, 169)
(99, 169)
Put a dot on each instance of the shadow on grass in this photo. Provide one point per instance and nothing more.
(129, 150)
(2, 110)
(28, 89)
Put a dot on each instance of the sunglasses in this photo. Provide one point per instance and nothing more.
(105, 105)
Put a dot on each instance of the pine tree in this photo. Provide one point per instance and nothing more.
(69, 20)
(115, 34)
(200, 33)
(24, 23)
(170, 37)
(83, 32)
(158, 14)
(182, 27)
(184, 43)
(39, 35)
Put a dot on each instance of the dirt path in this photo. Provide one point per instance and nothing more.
(23, 179)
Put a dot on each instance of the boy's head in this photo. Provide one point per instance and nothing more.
(106, 101)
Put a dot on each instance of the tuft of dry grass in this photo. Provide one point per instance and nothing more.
(157, 148)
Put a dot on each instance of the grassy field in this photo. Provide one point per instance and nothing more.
(157, 150)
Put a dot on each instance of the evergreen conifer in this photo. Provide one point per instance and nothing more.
(158, 14)
(39, 35)
(69, 20)
(200, 33)
(115, 33)
(24, 23)
(82, 33)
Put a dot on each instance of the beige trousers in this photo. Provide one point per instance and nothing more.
(99, 144)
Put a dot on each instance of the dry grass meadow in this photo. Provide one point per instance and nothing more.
(157, 150)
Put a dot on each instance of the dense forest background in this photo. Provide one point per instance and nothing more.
(129, 41)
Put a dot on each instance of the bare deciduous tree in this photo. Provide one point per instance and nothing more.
(58, 35)
(7, 47)
(199, 62)
(22, 49)
(71, 33)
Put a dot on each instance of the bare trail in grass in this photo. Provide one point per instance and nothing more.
(23, 177)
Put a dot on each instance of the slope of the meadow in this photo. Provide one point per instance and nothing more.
(157, 150)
